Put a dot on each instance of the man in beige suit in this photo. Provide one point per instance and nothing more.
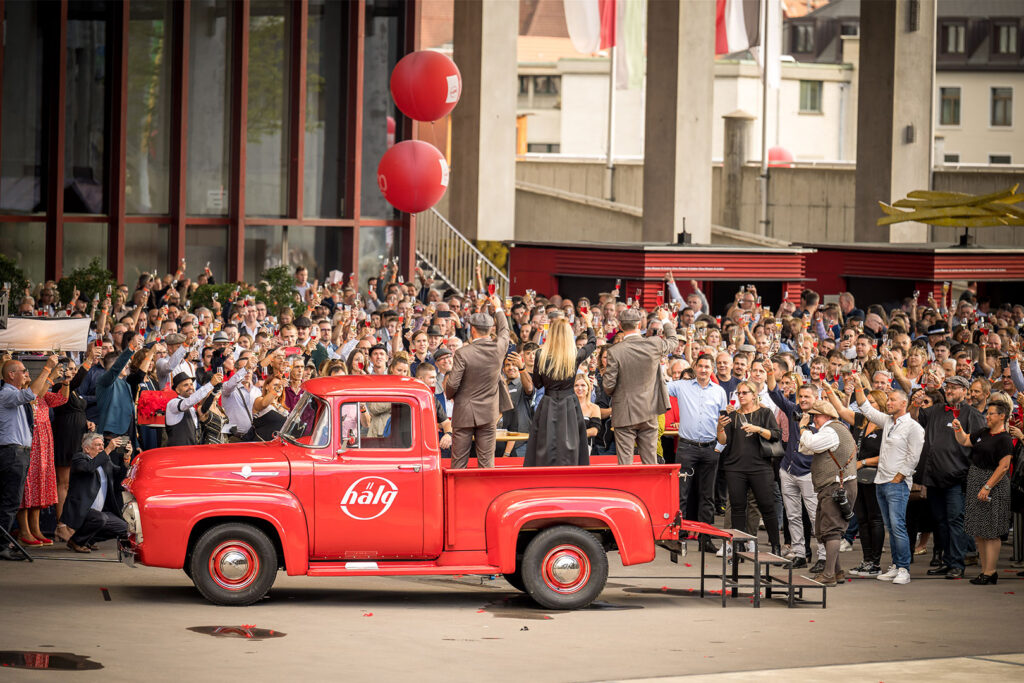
(475, 386)
(633, 379)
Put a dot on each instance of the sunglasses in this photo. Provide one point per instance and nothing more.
(742, 393)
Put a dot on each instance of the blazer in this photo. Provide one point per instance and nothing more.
(475, 381)
(85, 484)
(632, 378)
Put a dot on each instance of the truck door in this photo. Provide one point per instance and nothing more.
(369, 498)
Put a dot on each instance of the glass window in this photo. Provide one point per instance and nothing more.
(26, 244)
(87, 107)
(148, 128)
(953, 38)
(1002, 106)
(326, 108)
(309, 423)
(1006, 39)
(951, 158)
(264, 246)
(82, 243)
(374, 425)
(804, 38)
(385, 37)
(145, 249)
(546, 85)
(318, 248)
(949, 114)
(209, 109)
(207, 244)
(524, 85)
(267, 144)
(376, 243)
(999, 159)
(543, 147)
(810, 97)
(23, 149)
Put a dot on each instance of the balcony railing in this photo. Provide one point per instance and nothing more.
(453, 258)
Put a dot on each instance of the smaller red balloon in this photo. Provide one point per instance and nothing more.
(412, 176)
(426, 85)
(780, 156)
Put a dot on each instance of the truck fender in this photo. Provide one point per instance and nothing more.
(623, 513)
(279, 508)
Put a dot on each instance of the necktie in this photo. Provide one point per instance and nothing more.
(28, 416)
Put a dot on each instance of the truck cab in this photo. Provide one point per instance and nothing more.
(354, 485)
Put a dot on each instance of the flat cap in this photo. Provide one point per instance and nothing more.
(441, 352)
(434, 331)
(175, 338)
(958, 381)
(629, 315)
(481, 321)
(824, 408)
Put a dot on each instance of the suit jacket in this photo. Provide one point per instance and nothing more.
(475, 381)
(632, 379)
(85, 484)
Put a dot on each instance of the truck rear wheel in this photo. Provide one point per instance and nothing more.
(233, 564)
(564, 567)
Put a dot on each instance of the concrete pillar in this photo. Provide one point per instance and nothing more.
(737, 141)
(894, 113)
(482, 189)
(678, 121)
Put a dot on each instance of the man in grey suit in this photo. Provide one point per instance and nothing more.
(474, 384)
(633, 379)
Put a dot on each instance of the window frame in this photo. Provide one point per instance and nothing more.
(997, 28)
(820, 85)
(959, 106)
(363, 401)
(945, 28)
(992, 108)
(303, 401)
(1008, 157)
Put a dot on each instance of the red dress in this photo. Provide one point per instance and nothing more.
(41, 481)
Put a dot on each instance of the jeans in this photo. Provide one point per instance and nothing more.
(796, 493)
(947, 506)
(704, 465)
(13, 469)
(892, 502)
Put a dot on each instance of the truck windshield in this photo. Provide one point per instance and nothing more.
(309, 423)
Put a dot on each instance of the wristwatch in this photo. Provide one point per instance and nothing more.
(987, 487)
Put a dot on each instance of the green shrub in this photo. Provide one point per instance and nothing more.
(10, 272)
(91, 280)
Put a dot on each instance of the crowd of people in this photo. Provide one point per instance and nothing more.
(824, 423)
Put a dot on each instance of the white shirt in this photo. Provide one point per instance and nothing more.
(902, 442)
(822, 441)
(101, 496)
(177, 408)
(236, 401)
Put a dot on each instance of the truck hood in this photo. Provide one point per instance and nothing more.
(258, 464)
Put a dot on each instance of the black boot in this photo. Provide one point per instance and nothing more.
(936, 559)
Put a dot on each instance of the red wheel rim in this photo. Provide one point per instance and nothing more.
(566, 569)
(234, 565)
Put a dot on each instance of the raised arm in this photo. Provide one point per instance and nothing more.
(845, 414)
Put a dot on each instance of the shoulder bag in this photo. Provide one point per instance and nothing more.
(772, 451)
(865, 475)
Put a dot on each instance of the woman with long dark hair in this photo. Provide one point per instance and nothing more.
(558, 433)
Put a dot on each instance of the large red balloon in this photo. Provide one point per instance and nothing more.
(412, 176)
(426, 85)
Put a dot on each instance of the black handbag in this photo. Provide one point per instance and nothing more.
(772, 450)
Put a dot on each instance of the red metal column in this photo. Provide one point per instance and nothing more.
(354, 168)
(240, 112)
(55, 190)
(118, 152)
(3, 14)
(296, 175)
(407, 253)
(179, 133)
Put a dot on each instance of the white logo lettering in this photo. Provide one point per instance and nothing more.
(369, 498)
(444, 173)
(454, 89)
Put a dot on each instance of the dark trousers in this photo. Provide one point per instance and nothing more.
(99, 526)
(464, 439)
(13, 470)
(870, 524)
(698, 466)
(762, 484)
(947, 507)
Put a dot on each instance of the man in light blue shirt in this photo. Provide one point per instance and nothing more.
(16, 438)
(700, 401)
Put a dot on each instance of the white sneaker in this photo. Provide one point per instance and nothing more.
(902, 576)
(726, 548)
(751, 546)
(889, 574)
(845, 546)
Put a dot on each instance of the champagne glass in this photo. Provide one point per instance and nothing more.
(492, 286)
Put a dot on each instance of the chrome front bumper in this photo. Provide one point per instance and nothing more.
(126, 552)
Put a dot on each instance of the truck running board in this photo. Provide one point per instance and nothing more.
(394, 568)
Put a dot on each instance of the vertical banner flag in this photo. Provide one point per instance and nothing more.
(736, 25)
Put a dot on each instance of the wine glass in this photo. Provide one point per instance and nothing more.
(492, 286)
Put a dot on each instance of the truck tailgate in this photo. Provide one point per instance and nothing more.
(469, 492)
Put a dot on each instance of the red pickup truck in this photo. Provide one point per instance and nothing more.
(354, 485)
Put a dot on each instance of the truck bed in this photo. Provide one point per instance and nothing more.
(656, 487)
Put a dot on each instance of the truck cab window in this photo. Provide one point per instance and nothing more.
(376, 425)
(309, 423)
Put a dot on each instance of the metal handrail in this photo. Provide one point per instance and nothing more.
(453, 257)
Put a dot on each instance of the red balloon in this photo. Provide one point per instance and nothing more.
(780, 156)
(412, 176)
(426, 85)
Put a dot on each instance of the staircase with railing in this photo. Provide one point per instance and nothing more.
(453, 258)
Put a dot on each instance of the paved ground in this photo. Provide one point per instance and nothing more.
(471, 629)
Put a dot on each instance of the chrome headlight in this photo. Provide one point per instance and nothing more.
(131, 514)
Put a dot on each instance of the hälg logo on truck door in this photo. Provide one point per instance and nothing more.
(369, 498)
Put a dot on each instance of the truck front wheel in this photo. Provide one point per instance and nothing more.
(564, 567)
(233, 564)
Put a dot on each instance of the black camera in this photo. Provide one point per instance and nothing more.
(840, 498)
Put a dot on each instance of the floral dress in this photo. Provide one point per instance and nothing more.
(41, 481)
